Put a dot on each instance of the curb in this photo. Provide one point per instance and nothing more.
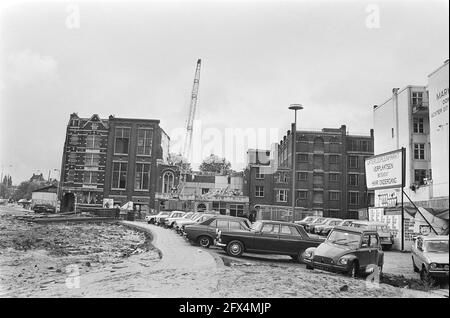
(147, 232)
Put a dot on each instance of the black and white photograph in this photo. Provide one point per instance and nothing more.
(224, 156)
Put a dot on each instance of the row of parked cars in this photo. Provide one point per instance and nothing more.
(347, 249)
(323, 226)
(353, 247)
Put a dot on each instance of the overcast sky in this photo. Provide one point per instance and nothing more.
(138, 60)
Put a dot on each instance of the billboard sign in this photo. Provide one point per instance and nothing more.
(385, 171)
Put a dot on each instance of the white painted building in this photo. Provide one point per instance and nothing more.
(439, 115)
(403, 121)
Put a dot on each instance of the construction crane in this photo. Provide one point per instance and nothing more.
(192, 107)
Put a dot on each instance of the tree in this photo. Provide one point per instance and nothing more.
(215, 164)
(180, 161)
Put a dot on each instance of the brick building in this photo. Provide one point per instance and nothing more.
(83, 162)
(330, 177)
(135, 148)
(114, 159)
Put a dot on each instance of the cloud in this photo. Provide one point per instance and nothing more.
(27, 67)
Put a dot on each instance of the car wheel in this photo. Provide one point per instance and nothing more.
(204, 241)
(309, 267)
(353, 270)
(235, 248)
(416, 269)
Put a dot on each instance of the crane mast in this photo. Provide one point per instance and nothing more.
(192, 107)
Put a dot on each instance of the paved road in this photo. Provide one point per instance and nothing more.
(176, 253)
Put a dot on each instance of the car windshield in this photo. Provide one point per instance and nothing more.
(359, 225)
(344, 238)
(187, 215)
(165, 213)
(319, 220)
(436, 246)
(308, 219)
(382, 228)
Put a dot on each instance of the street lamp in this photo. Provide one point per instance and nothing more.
(294, 107)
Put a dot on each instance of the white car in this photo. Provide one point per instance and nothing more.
(170, 221)
(161, 220)
(152, 218)
(178, 224)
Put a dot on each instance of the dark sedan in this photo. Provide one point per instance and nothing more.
(205, 232)
(268, 237)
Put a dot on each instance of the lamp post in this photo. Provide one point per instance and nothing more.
(294, 107)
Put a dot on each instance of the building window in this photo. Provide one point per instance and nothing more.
(72, 158)
(144, 142)
(168, 181)
(282, 177)
(418, 125)
(142, 179)
(282, 196)
(353, 198)
(417, 98)
(365, 145)
(205, 190)
(93, 142)
(88, 198)
(220, 206)
(259, 192)
(353, 180)
(119, 178)
(259, 175)
(333, 177)
(71, 175)
(318, 197)
(302, 176)
(122, 139)
(334, 196)
(236, 210)
(318, 181)
(74, 139)
(301, 157)
(90, 177)
(302, 195)
(419, 151)
(353, 162)
(419, 176)
(91, 159)
(333, 158)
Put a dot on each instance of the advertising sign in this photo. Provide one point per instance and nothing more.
(385, 171)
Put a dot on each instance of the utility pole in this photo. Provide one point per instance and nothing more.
(294, 107)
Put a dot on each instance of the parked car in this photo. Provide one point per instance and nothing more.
(151, 218)
(347, 250)
(179, 223)
(430, 256)
(199, 219)
(327, 228)
(269, 237)
(311, 226)
(171, 220)
(329, 222)
(307, 220)
(204, 233)
(161, 220)
(44, 208)
(387, 239)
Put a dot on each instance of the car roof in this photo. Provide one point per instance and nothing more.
(353, 229)
(435, 237)
(369, 222)
(221, 216)
(278, 222)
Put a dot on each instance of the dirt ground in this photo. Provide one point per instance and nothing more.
(112, 260)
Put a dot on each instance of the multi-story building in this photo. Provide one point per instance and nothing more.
(83, 163)
(415, 118)
(330, 177)
(135, 148)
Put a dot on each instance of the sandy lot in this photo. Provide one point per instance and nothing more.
(114, 260)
